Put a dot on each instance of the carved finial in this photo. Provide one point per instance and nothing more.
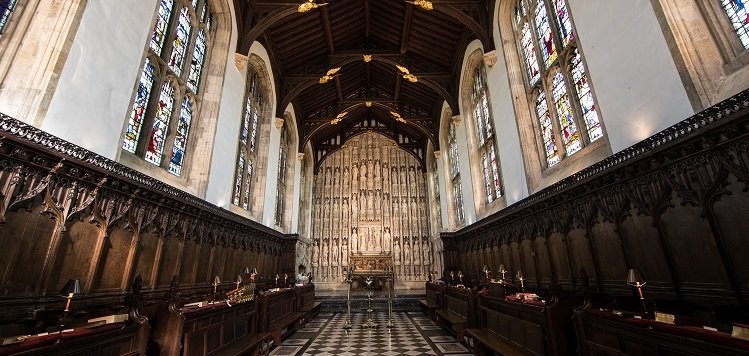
(240, 61)
(437, 154)
(456, 119)
(299, 156)
(278, 122)
(490, 58)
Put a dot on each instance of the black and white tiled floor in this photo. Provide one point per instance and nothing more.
(413, 334)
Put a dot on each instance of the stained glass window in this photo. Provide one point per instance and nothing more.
(563, 99)
(168, 114)
(157, 136)
(6, 8)
(281, 186)
(162, 23)
(452, 148)
(238, 179)
(196, 65)
(135, 122)
(248, 132)
(485, 134)
(547, 130)
(180, 141)
(739, 17)
(181, 41)
(545, 35)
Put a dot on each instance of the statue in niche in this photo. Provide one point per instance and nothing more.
(406, 252)
(334, 255)
(354, 173)
(377, 241)
(363, 204)
(344, 253)
(324, 254)
(354, 207)
(396, 253)
(354, 240)
(315, 253)
(378, 204)
(363, 173)
(386, 239)
(369, 244)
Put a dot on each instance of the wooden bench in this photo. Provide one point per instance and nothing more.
(257, 345)
(488, 343)
(456, 311)
(432, 301)
(531, 328)
(280, 313)
(307, 303)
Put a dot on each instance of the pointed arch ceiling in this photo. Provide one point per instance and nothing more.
(365, 93)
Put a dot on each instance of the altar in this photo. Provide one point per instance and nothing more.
(379, 267)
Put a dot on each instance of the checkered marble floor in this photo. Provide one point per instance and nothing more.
(413, 334)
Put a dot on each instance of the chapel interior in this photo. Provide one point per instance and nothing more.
(374, 177)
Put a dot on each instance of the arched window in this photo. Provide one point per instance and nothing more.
(452, 149)
(738, 14)
(6, 9)
(485, 133)
(283, 154)
(567, 119)
(173, 65)
(248, 138)
(436, 184)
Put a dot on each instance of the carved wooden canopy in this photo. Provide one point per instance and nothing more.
(366, 41)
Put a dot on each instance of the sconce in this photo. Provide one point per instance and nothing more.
(460, 276)
(70, 289)
(486, 271)
(502, 270)
(276, 279)
(634, 279)
(521, 277)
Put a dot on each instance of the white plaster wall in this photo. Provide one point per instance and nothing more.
(297, 179)
(225, 145)
(633, 74)
(93, 94)
(442, 171)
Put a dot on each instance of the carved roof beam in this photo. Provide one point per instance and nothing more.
(407, 17)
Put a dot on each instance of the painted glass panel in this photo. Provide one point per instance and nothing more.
(453, 151)
(181, 41)
(585, 98)
(565, 24)
(157, 137)
(253, 132)
(739, 16)
(495, 170)
(194, 4)
(180, 140)
(529, 52)
(246, 121)
(196, 65)
(487, 176)
(247, 185)
(162, 23)
(238, 179)
(547, 133)
(545, 35)
(570, 135)
(6, 8)
(135, 122)
(458, 193)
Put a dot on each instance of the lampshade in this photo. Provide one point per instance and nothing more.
(254, 270)
(239, 278)
(216, 280)
(246, 270)
(502, 268)
(634, 278)
(71, 288)
(276, 275)
(520, 275)
(486, 268)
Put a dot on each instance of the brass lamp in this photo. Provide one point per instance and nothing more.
(460, 276)
(70, 289)
(253, 274)
(634, 279)
(216, 283)
(486, 271)
(285, 279)
(521, 278)
(239, 280)
(276, 279)
(502, 270)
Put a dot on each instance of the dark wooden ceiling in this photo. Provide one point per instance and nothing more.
(304, 46)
